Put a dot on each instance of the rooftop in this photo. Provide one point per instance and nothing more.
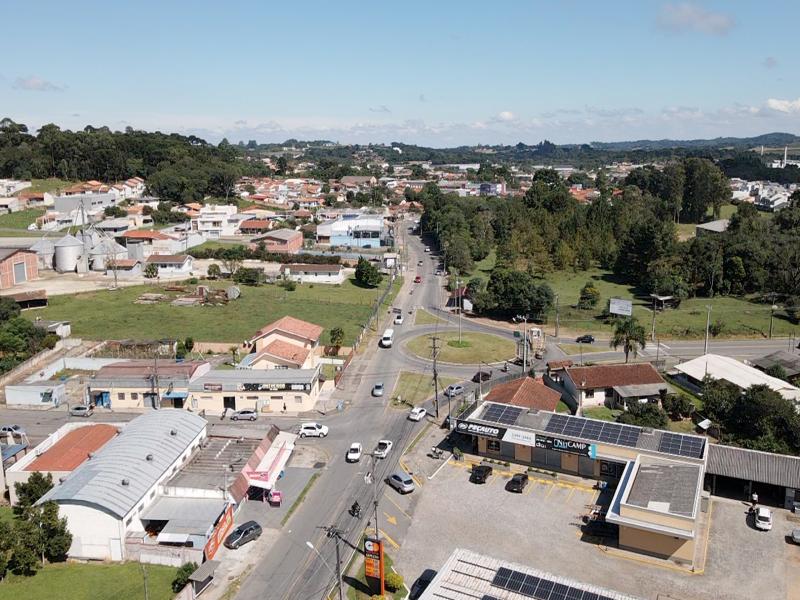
(281, 234)
(665, 486)
(287, 351)
(526, 392)
(72, 450)
(287, 324)
(754, 465)
(167, 259)
(607, 376)
(790, 363)
(308, 268)
(142, 234)
(235, 380)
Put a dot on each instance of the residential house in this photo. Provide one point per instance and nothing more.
(142, 243)
(12, 186)
(125, 268)
(255, 226)
(217, 220)
(17, 265)
(313, 273)
(9, 205)
(527, 392)
(170, 265)
(613, 385)
(362, 231)
(35, 199)
(288, 343)
(282, 241)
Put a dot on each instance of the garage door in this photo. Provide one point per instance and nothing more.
(19, 272)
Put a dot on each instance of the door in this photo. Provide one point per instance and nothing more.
(229, 402)
(116, 548)
(20, 275)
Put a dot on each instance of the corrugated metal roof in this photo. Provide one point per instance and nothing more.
(754, 465)
(98, 482)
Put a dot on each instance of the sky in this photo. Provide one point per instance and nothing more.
(437, 73)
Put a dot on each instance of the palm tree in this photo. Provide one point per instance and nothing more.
(630, 335)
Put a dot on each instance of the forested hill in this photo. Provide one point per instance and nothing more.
(768, 139)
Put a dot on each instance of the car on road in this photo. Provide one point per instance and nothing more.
(246, 532)
(401, 481)
(419, 263)
(417, 413)
(763, 518)
(377, 390)
(81, 410)
(417, 279)
(438, 272)
(795, 536)
(246, 414)
(480, 473)
(354, 452)
(398, 320)
(482, 376)
(427, 249)
(15, 429)
(584, 339)
(454, 389)
(383, 448)
(313, 430)
(517, 483)
(421, 584)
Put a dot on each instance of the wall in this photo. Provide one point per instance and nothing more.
(655, 544)
(71, 362)
(31, 261)
(92, 531)
(36, 360)
(31, 396)
(264, 401)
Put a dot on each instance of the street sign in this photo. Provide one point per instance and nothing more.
(618, 306)
(373, 562)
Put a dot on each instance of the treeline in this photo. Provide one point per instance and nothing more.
(749, 166)
(177, 168)
(19, 338)
(239, 253)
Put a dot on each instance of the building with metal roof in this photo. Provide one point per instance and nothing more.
(105, 496)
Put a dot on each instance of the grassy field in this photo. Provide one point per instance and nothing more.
(475, 347)
(423, 317)
(6, 513)
(738, 316)
(483, 268)
(601, 412)
(48, 185)
(21, 219)
(113, 314)
(91, 582)
(214, 245)
(415, 388)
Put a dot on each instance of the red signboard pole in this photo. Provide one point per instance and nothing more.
(373, 563)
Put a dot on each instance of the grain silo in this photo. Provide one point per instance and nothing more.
(68, 252)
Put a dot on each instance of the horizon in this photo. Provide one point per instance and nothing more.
(428, 75)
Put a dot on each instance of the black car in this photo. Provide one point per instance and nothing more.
(482, 376)
(480, 473)
(585, 339)
(246, 532)
(517, 483)
(421, 584)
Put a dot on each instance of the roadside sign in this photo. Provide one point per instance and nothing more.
(618, 306)
(373, 562)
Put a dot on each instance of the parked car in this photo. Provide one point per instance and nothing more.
(246, 414)
(418, 279)
(377, 390)
(427, 249)
(313, 430)
(585, 339)
(246, 532)
(401, 481)
(383, 448)
(81, 410)
(454, 390)
(517, 483)
(398, 319)
(795, 536)
(15, 429)
(482, 376)
(421, 584)
(354, 452)
(480, 473)
(417, 413)
(419, 263)
(763, 518)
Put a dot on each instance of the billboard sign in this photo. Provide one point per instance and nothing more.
(618, 306)
(568, 446)
(373, 561)
(480, 429)
(220, 531)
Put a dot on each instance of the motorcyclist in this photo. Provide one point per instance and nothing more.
(355, 509)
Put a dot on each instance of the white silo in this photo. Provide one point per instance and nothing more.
(68, 251)
(105, 253)
(44, 252)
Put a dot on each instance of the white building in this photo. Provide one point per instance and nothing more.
(171, 264)
(12, 186)
(303, 273)
(103, 498)
(217, 220)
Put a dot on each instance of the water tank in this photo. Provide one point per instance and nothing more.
(68, 251)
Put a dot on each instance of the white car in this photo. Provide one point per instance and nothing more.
(763, 518)
(14, 429)
(354, 452)
(427, 249)
(398, 320)
(383, 448)
(417, 413)
(313, 430)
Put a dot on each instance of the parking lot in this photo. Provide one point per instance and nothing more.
(541, 528)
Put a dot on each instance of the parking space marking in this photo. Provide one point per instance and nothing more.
(397, 506)
(550, 491)
(572, 491)
(529, 488)
(389, 539)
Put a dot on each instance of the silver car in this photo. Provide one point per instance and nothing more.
(246, 414)
(81, 410)
(401, 481)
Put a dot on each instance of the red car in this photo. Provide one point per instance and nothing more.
(417, 279)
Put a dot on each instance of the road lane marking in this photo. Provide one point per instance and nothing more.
(389, 539)
(390, 518)
(397, 506)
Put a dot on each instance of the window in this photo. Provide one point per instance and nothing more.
(121, 396)
(141, 508)
(589, 393)
(134, 396)
(152, 494)
(276, 397)
(129, 521)
(493, 445)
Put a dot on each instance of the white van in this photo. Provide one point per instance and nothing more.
(386, 340)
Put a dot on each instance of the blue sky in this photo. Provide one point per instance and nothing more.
(437, 73)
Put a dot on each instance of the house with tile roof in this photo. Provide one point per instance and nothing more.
(526, 392)
(287, 343)
(613, 385)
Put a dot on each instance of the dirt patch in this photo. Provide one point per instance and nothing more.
(308, 457)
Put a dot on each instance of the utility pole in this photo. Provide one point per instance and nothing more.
(460, 306)
(435, 351)
(653, 329)
(771, 318)
(557, 323)
(708, 324)
(336, 534)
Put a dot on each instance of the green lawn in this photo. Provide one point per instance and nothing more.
(6, 514)
(562, 408)
(475, 347)
(48, 185)
(601, 412)
(91, 582)
(215, 245)
(21, 219)
(423, 317)
(415, 388)
(113, 315)
(483, 268)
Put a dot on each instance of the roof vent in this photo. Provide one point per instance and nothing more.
(90, 456)
(173, 432)
(62, 479)
(149, 457)
(647, 430)
(126, 482)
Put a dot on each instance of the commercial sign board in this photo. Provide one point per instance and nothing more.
(568, 446)
(212, 387)
(272, 387)
(488, 431)
(618, 306)
(220, 531)
(516, 436)
(373, 562)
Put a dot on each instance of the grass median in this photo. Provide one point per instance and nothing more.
(473, 348)
(415, 388)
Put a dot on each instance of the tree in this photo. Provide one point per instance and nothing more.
(189, 343)
(677, 406)
(394, 581)
(249, 276)
(8, 308)
(367, 274)
(232, 258)
(337, 338)
(182, 576)
(151, 271)
(29, 492)
(214, 272)
(647, 414)
(590, 296)
(629, 334)
(6, 547)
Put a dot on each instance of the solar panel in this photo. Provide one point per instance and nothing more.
(559, 592)
(515, 581)
(505, 414)
(681, 445)
(574, 594)
(501, 577)
(556, 423)
(540, 588)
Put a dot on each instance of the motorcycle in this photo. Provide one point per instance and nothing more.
(355, 511)
(436, 453)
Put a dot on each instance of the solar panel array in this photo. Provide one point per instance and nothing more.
(504, 414)
(682, 445)
(540, 587)
(599, 431)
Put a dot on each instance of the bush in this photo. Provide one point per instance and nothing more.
(393, 581)
(288, 285)
(182, 576)
(193, 281)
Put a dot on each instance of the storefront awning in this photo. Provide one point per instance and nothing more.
(166, 537)
(269, 468)
(176, 395)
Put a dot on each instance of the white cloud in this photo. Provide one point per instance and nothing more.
(687, 16)
(784, 106)
(505, 115)
(380, 109)
(36, 84)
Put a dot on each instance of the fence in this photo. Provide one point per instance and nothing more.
(37, 359)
